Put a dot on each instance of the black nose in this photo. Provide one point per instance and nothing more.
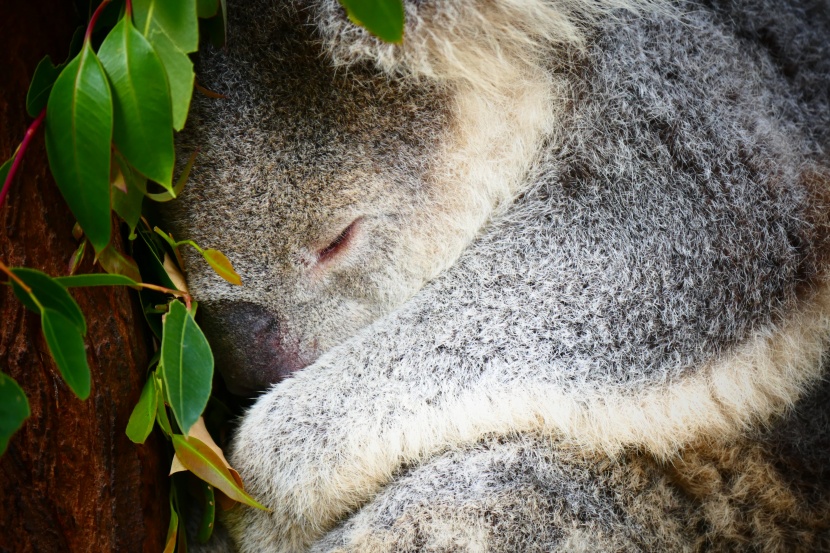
(247, 345)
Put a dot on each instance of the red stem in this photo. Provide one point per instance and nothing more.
(94, 18)
(18, 158)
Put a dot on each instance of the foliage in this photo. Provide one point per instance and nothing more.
(109, 118)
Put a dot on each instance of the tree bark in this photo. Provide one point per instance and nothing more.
(70, 480)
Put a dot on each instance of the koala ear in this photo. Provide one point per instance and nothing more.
(477, 43)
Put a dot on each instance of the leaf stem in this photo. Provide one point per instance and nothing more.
(178, 293)
(94, 19)
(129, 8)
(14, 277)
(18, 157)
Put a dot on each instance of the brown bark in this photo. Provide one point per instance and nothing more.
(71, 480)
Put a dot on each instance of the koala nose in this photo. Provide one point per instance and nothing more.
(248, 346)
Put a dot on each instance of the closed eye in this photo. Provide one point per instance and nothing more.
(339, 244)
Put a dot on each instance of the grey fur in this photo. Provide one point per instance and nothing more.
(626, 357)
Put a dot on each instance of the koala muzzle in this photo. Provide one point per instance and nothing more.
(265, 359)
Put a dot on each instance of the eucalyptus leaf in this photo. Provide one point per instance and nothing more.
(77, 257)
(222, 265)
(67, 348)
(180, 182)
(207, 8)
(149, 254)
(143, 117)
(382, 18)
(4, 170)
(208, 513)
(44, 77)
(78, 137)
(50, 294)
(14, 409)
(217, 27)
(127, 202)
(172, 29)
(115, 262)
(97, 279)
(172, 529)
(144, 413)
(199, 459)
(177, 20)
(187, 365)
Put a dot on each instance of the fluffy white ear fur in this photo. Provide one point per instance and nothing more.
(481, 44)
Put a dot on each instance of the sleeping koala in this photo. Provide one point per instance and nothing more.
(552, 275)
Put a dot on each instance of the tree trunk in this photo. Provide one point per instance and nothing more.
(70, 480)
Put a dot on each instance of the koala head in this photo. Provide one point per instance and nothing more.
(339, 174)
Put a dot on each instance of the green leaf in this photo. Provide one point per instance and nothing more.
(4, 170)
(45, 75)
(216, 27)
(67, 348)
(143, 117)
(222, 266)
(50, 294)
(199, 459)
(128, 189)
(144, 413)
(208, 514)
(187, 365)
(97, 279)
(172, 28)
(78, 136)
(77, 257)
(149, 251)
(149, 254)
(177, 20)
(382, 18)
(207, 8)
(172, 529)
(180, 182)
(161, 413)
(115, 262)
(14, 409)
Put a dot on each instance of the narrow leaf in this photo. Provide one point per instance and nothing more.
(161, 413)
(77, 257)
(41, 85)
(180, 182)
(143, 117)
(217, 27)
(172, 29)
(144, 413)
(14, 409)
(97, 279)
(187, 365)
(4, 170)
(50, 294)
(382, 18)
(115, 262)
(222, 266)
(78, 136)
(67, 348)
(150, 254)
(204, 463)
(208, 513)
(172, 529)
(207, 8)
(128, 189)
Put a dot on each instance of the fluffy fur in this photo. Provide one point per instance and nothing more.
(614, 221)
